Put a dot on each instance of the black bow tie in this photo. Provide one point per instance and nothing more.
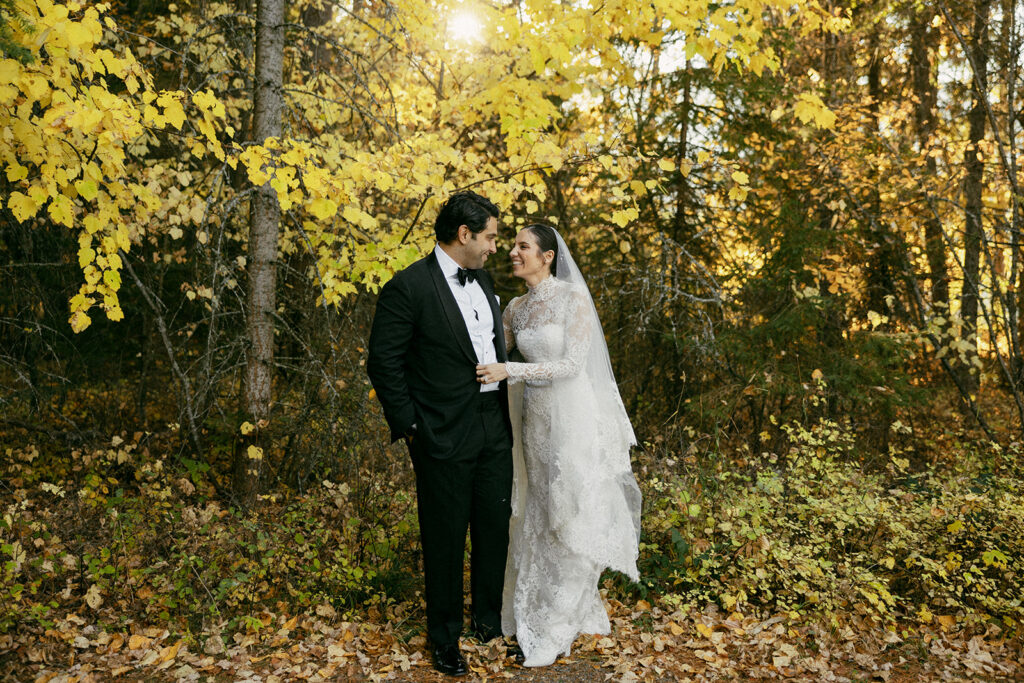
(465, 275)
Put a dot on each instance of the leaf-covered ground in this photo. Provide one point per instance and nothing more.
(116, 562)
(648, 643)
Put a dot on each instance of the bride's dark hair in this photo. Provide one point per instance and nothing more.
(547, 241)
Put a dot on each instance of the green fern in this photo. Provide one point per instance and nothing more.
(9, 47)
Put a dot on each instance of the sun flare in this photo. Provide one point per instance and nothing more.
(465, 26)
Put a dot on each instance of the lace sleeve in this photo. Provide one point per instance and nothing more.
(506, 325)
(577, 345)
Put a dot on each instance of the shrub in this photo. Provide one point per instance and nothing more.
(126, 530)
(812, 530)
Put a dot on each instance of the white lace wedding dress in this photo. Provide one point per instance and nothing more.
(576, 504)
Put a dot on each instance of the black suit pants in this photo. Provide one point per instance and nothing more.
(472, 489)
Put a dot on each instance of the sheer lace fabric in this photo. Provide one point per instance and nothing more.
(575, 501)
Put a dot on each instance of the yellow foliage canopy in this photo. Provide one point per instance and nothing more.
(465, 115)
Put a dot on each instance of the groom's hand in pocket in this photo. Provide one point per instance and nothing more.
(410, 434)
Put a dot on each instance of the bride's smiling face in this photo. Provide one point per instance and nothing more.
(528, 261)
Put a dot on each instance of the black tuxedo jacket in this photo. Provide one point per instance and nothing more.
(421, 362)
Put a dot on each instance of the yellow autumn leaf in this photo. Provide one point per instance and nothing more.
(207, 101)
(257, 176)
(35, 87)
(92, 224)
(80, 302)
(16, 172)
(86, 189)
(740, 177)
(86, 255)
(151, 114)
(9, 69)
(810, 109)
(247, 428)
(79, 321)
(22, 206)
(114, 65)
(737, 193)
(351, 214)
(666, 165)
(280, 185)
(60, 211)
(174, 113)
(112, 279)
(323, 208)
(78, 35)
(254, 452)
(294, 157)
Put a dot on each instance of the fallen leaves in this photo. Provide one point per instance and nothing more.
(138, 642)
(784, 655)
(648, 642)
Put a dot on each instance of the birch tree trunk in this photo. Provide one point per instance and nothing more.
(265, 217)
(974, 168)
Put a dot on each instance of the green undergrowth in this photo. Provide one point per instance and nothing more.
(120, 532)
(814, 532)
(125, 535)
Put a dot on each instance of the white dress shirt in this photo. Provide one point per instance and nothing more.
(475, 309)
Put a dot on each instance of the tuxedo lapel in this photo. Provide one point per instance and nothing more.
(451, 308)
(499, 333)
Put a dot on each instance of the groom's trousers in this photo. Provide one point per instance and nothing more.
(472, 489)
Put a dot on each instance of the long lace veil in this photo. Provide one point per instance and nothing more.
(598, 364)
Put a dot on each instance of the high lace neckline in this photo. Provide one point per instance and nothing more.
(544, 287)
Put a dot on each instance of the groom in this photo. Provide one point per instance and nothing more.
(435, 322)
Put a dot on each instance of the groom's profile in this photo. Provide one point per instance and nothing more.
(435, 322)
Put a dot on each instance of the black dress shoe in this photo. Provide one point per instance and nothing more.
(515, 652)
(449, 661)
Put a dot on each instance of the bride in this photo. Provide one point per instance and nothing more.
(576, 504)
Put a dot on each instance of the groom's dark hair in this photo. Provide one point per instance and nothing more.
(463, 208)
(547, 241)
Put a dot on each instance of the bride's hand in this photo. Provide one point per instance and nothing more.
(494, 372)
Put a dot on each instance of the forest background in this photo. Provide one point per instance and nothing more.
(801, 221)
